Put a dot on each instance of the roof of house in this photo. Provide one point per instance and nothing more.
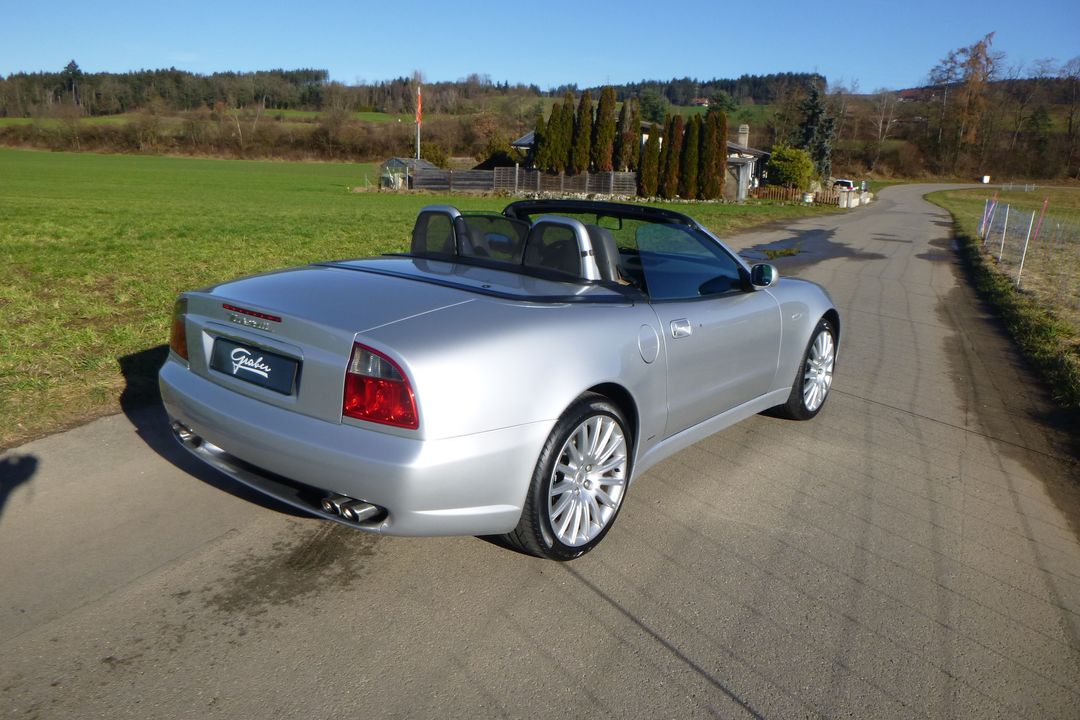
(411, 163)
(744, 150)
(525, 141)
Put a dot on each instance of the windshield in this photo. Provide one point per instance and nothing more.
(668, 260)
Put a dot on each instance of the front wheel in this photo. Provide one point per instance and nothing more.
(814, 379)
(578, 484)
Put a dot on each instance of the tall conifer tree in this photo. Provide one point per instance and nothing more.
(713, 155)
(650, 163)
(673, 141)
(541, 150)
(566, 132)
(619, 159)
(634, 134)
(688, 163)
(665, 152)
(721, 149)
(603, 136)
(583, 122)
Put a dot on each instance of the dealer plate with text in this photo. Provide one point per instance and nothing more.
(255, 365)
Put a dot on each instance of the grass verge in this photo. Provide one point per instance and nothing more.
(1047, 340)
(94, 249)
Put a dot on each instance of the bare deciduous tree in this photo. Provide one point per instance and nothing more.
(883, 121)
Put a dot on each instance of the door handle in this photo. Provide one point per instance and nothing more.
(681, 328)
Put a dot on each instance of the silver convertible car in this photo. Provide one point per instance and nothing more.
(510, 375)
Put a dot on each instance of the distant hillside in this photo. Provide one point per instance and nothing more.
(29, 94)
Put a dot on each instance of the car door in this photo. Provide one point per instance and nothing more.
(722, 338)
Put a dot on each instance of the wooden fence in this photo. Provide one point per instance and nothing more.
(518, 180)
(515, 180)
(454, 180)
(775, 192)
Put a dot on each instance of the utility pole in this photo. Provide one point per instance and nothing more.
(419, 119)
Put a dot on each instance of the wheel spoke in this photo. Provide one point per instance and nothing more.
(561, 506)
(567, 517)
(594, 511)
(605, 499)
(573, 448)
(578, 509)
(612, 446)
(561, 488)
(610, 465)
(601, 445)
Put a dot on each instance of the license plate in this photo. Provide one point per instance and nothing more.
(255, 365)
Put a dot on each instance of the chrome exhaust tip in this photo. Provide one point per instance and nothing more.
(185, 434)
(334, 503)
(358, 511)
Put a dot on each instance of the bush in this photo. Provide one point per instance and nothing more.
(790, 167)
(434, 155)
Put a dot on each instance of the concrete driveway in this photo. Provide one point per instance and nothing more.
(911, 552)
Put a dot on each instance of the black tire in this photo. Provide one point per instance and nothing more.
(555, 535)
(811, 371)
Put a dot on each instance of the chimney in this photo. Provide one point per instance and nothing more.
(744, 135)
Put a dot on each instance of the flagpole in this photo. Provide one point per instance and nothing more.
(419, 117)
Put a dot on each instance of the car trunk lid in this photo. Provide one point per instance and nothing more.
(286, 337)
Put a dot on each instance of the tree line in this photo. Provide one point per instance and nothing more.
(23, 94)
(753, 89)
(28, 94)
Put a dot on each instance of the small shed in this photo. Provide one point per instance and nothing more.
(745, 166)
(397, 172)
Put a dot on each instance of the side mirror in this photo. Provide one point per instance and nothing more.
(764, 275)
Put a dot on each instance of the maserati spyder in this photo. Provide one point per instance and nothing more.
(511, 374)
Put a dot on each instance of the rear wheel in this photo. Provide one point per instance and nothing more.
(578, 484)
(814, 379)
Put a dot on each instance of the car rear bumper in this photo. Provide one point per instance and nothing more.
(467, 485)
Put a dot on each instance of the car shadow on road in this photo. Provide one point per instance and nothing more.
(804, 248)
(15, 470)
(141, 403)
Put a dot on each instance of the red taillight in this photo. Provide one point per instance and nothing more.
(377, 390)
(178, 333)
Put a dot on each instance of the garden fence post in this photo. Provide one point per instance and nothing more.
(990, 223)
(1031, 223)
(1004, 229)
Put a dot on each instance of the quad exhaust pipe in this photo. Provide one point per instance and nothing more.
(355, 511)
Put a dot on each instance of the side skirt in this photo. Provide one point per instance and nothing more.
(680, 441)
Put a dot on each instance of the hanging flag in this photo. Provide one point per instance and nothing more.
(419, 106)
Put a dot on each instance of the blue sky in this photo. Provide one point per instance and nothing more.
(876, 44)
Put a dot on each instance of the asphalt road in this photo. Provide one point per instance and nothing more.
(911, 552)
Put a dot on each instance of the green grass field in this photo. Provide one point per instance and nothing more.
(312, 115)
(93, 120)
(96, 247)
(756, 116)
